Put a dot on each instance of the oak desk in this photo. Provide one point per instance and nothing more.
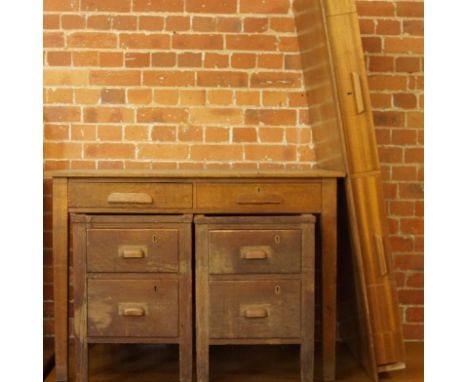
(195, 192)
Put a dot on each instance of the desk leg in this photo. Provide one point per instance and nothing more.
(60, 259)
(329, 254)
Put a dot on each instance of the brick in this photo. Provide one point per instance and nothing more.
(416, 280)
(387, 82)
(152, 23)
(412, 226)
(164, 151)
(113, 96)
(271, 134)
(211, 6)
(109, 133)
(87, 58)
(204, 24)
(297, 99)
(261, 6)
(288, 44)
(108, 114)
(413, 27)
(106, 5)
(270, 61)
(404, 45)
(367, 26)
(255, 25)
(177, 23)
(187, 133)
(61, 5)
(216, 116)
(137, 60)
(198, 42)
(73, 22)
(189, 60)
(404, 173)
(243, 60)
(59, 58)
(248, 98)
(109, 150)
(163, 133)
(54, 132)
(388, 27)
(111, 59)
(62, 150)
(414, 155)
(390, 154)
(162, 115)
(271, 98)
(110, 165)
(114, 77)
(222, 79)
(402, 244)
(158, 5)
(136, 133)
(405, 100)
(51, 21)
(217, 134)
(166, 96)
(125, 23)
(381, 64)
(53, 40)
(87, 96)
(144, 41)
(409, 262)
(410, 9)
(293, 62)
(413, 332)
(372, 44)
(214, 60)
(99, 22)
(283, 24)
(408, 64)
(411, 296)
(275, 80)
(244, 134)
(228, 24)
(98, 40)
(270, 152)
(173, 79)
(270, 117)
(415, 314)
(375, 8)
(192, 97)
(163, 59)
(251, 42)
(216, 152)
(62, 114)
(220, 97)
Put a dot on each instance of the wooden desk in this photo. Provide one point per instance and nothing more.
(202, 192)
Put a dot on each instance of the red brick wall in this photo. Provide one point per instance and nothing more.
(392, 34)
(219, 84)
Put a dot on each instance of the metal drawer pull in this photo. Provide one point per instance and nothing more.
(255, 253)
(128, 252)
(260, 199)
(256, 313)
(133, 312)
(130, 198)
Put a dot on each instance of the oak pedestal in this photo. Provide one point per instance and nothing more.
(176, 193)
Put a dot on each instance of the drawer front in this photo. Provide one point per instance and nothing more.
(130, 195)
(132, 250)
(255, 309)
(255, 251)
(259, 197)
(133, 308)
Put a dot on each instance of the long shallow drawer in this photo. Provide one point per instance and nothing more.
(132, 250)
(133, 308)
(255, 251)
(130, 195)
(258, 197)
(255, 309)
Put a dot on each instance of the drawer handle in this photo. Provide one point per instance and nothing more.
(133, 312)
(255, 253)
(132, 252)
(129, 198)
(259, 199)
(256, 313)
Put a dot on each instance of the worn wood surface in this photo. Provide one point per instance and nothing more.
(258, 251)
(133, 250)
(60, 269)
(137, 363)
(251, 307)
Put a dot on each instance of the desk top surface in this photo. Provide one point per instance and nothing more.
(314, 173)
